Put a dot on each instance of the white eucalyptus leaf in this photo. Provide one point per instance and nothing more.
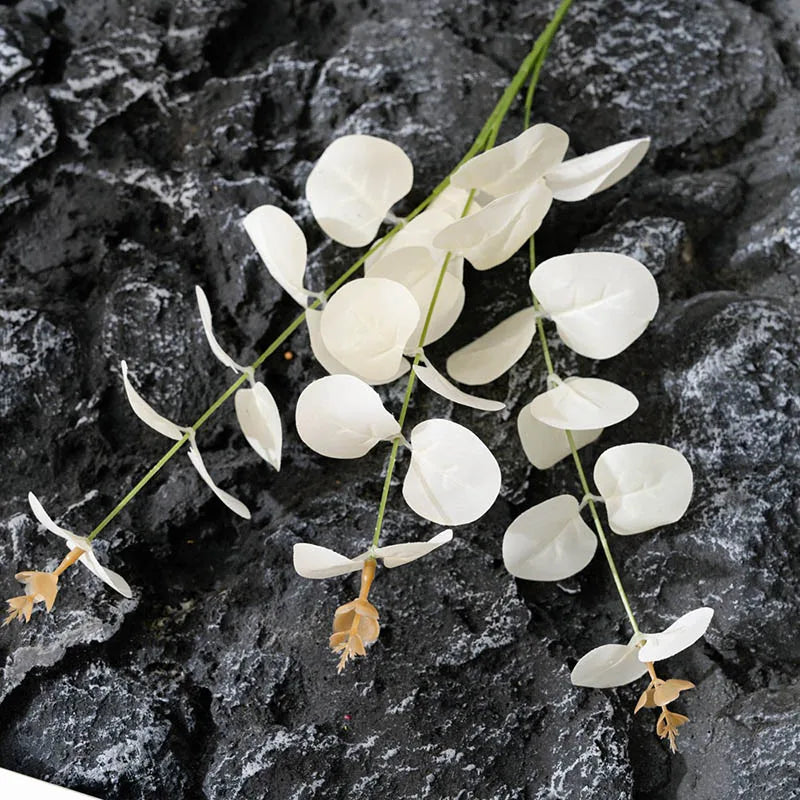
(453, 478)
(436, 382)
(492, 354)
(580, 404)
(600, 302)
(643, 485)
(395, 555)
(45, 519)
(493, 234)
(356, 181)
(315, 562)
(260, 422)
(516, 164)
(208, 329)
(549, 542)
(366, 325)
(146, 412)
(108, 576)
(545, 446)
(589, 174)
(683, 633)
(237, 506)
(452, 200)
(607, 666)
(340, 416)
(282, 247)
(417, 269)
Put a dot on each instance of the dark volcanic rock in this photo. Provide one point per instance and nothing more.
(133, 139)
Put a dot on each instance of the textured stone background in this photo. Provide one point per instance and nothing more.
(133, 138)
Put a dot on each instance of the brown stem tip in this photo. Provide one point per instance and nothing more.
(355, 624)
(658, 694)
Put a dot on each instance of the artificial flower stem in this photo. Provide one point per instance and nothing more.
(69, 560)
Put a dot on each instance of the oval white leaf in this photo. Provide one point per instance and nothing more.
(452, 200)
(328, 362)
(260, 422)
(340, 416)
(45, 519)
(282, 247)
(549, 542)
(545, 446)
(580, 177)
(108, 576)
(600, 302)
(237, 506)
(146, 412)
(607, 666)
(579, 404)
(208, 329)
(354, 184)
(683, 633)
(492, 354)
(516, 164)
(367, 324)
(417, 269)
(313, 561)
(453, 478)
(395, 555)
(643, 485)
(493, 234)
(435, 381)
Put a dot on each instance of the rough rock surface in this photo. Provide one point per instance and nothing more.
(133, 138)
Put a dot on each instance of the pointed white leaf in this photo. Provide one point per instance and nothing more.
(237, 506)
(260, 422)
(340, 416)
(600, 302)
(497, 231)
(395, 555)
(435, 381)
(607, 666)
(282, 247)
(580, 404)
(354, 184)
(208, 328)
(366, 326)
(146, 412)
(417, 269)
(589, 174)
(313, 561)
(453, 478)
(108, 576)
(492, 354)
(545, 446)
(45, 519)
(643, 485)
(329, 363)
(514, 165)
(683, 633)
(548, 542)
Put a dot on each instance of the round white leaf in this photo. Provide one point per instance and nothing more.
(548, 542)
(366, 325)
(683, 633)
(282, 247)
(208, 329)
(600, 302)
(453, 478)
(260, 422)
(493, 234)
(579, 404)
(313, 561)
(435, 381)
(492, 354)
(395, 555)
(328, 362)
(545, 446)
(607, 666)
(452, 200)
(146, 412)
(516, 164)
(354, 184)
(417, 269)
(580, 177)
(644, 486)
(340, 416)
(237, 506)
